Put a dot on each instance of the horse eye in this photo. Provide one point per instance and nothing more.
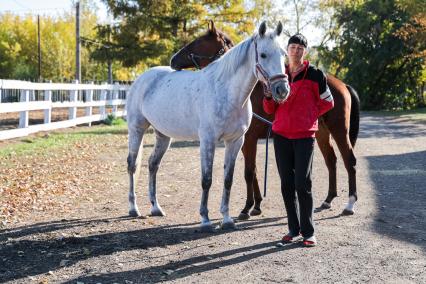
(263, 55)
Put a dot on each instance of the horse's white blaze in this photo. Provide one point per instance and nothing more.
(207, 105)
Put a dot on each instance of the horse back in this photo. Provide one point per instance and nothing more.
(338, 118)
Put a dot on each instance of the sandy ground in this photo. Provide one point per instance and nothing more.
(95, 242)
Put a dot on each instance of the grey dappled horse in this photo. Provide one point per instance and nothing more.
(208, 105)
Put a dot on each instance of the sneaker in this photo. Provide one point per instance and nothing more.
(287, 239)
(310, 242)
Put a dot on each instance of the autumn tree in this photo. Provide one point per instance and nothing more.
(18, 46)
(149, 32)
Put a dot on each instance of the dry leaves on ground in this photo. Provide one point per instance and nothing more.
(38, 181)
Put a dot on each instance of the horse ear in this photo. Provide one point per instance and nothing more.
(262, 29)
(212, 28)
(279, 28)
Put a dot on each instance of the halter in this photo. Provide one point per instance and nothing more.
(269, 79)
(212, 58)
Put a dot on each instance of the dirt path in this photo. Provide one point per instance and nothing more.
(94, 241)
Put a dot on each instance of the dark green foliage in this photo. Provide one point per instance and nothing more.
(379, 55)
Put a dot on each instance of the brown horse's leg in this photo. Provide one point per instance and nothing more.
(349, 160)
(249, 151)
(257, 195)
(324, 143)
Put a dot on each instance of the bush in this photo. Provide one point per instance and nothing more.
(113, 120)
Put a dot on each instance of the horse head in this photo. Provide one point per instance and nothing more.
(213, 44)
(203, 50)
(269, 67)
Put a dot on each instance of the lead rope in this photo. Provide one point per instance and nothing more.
(261, 119)
(266, 150)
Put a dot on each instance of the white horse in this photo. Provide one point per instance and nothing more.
(207, 105)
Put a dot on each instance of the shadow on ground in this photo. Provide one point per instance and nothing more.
(189, 266)
(400, 187)
(396, 127)
(37, 249)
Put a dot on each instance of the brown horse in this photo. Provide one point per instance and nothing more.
(341, 123)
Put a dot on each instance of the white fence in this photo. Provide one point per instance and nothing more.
(38, 96)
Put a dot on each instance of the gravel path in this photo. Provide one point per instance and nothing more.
(95, 242)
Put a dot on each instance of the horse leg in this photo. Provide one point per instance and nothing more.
(349, 159)
(207, 149)
(136, 132)
(257, 195)
(324, 143)
(231, 151)
(249, 153)
(162, 143)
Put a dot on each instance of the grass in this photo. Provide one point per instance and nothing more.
(44, 144)
(113, 120)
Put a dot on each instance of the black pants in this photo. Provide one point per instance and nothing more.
(294, 161)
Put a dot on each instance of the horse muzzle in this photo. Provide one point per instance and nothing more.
(175, 64)
(280, 90)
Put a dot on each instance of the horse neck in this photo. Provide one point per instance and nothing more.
(240, 79)
(242, 83)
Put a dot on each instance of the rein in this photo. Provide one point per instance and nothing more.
(266, 149)
(266, 89)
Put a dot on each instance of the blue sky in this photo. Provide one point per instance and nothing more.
(42, 7)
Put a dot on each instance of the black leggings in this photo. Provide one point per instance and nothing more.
(294, 161)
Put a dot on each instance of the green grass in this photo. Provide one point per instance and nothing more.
(113, 120)
(56, 140)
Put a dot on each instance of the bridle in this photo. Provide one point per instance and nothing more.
(269, 79)
(195, 57)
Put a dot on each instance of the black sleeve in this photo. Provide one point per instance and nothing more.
(322, 82)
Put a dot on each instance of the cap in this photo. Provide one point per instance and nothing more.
(298, 39)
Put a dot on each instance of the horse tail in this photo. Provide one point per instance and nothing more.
(354, 119)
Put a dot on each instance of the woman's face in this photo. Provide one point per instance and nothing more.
(296, 52)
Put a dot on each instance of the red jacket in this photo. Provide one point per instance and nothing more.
(309, 98)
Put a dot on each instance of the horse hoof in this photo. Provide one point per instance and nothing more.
(134, 213)
(158, 213)
(255, 212)
(227, 226)
(347, 212)
(243, 216)
(325, 205)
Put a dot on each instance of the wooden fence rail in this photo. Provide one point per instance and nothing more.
(76, 96)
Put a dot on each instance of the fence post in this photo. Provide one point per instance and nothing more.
(89, 99)
(73, 98)
(48, 112)
(24, 115)
(115, 97)
(102, 109)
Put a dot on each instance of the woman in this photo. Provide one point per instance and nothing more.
(294, 127)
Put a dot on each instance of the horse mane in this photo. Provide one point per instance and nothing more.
(231, 60)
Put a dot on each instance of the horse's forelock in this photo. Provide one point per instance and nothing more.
(269, 36)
